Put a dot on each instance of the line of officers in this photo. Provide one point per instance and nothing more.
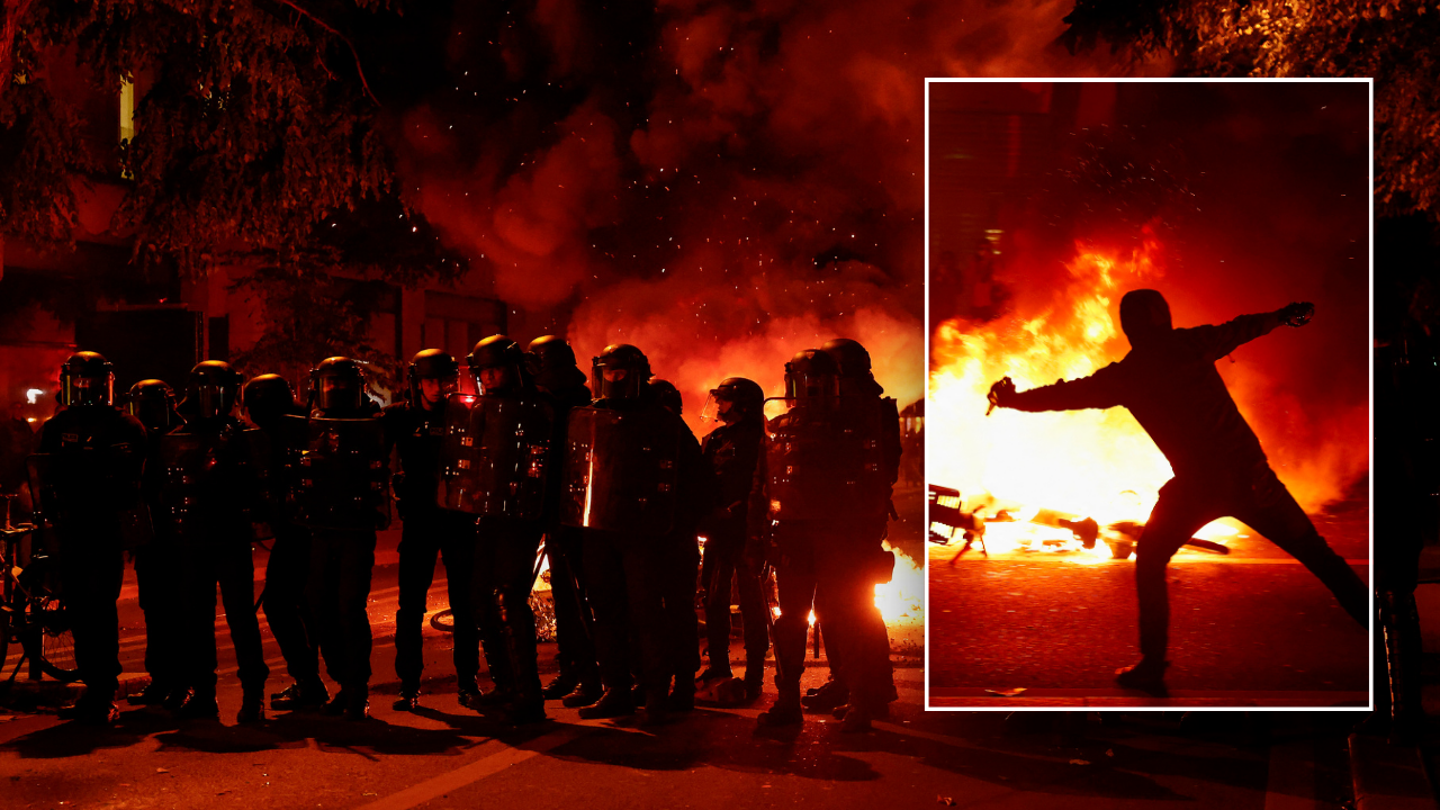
(615, 485)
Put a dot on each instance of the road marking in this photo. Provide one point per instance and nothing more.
(480, 769)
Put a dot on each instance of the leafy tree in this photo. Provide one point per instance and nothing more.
(1397, 42)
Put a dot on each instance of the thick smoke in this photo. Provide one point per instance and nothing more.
(733, 184)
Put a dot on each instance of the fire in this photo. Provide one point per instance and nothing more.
(902, 600)
(1091, 463)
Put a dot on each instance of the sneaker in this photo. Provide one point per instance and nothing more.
(1146, 676)
(613, 703)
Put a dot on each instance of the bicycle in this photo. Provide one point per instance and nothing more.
(31, 609)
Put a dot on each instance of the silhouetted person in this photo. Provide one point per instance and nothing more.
(1169, 383)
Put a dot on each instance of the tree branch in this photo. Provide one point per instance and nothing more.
(342, 37)
(15, 11)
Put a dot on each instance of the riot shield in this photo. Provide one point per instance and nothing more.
(620, 470)
(827, 463)
(341, 480)
(493, 456)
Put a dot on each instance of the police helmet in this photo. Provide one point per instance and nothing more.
(667, 394)
(551, 361)
(212, 390)
(338, 384)
(267, 398)
(812, 374)
(153, 403)
(87, 378)
(497, 352)
(746, 396)
(620, 372)
(432, 364)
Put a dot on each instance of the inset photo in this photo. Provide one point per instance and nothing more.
(1148, 442)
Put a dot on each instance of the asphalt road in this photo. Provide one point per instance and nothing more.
(1250, 629)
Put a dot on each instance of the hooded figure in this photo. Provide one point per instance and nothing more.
(1169, 383)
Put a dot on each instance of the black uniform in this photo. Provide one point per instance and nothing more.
(98, 455)
(287, 570)
(633, 577)
(574, 627)
(1169, 382)
(731, 452)
(158, 576)
(830, 565)
(428, 531)
(215, 549)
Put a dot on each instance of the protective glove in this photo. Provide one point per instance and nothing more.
(1000, 393)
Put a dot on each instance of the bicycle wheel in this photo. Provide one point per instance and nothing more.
(444, 621)
(50, 643)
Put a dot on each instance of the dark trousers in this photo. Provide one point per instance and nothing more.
(1261, 502)
(427, 534)
(574, 626)
(504, 574)
(92, 570)
(158, 576)
(725, 563)
(221, 558)
(829, 566)
(680, 561)
(624, 574)
(287, 610)
(340, 566)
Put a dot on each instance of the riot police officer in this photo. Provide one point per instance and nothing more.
(551, 362)
(730, 452)
(821, 492)
(91, 477)
(268, 399)
(857, 384)
(340, 489)
(208, 496)
(157, 564)
(415, 427)
(632, 472)
(509, 427)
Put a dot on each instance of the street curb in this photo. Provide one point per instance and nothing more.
(1389, 777)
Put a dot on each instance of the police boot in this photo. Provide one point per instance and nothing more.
(856, 720)
(1400, 633)
(682, 696)
(357, 703)
(409, 699)
(754, 678)
(93, 712)
(1146, 676)
(526, 709)
(613, 703)
(252, 707)
(562, 684)
(308, 696)
(152, 695)
(826, 697)
(586, 692)
(200, 705)
(785, 712)
(657, 706)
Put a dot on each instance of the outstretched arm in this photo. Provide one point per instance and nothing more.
(1103, 389)
(1217, 341)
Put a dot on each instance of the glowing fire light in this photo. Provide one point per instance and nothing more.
(901, 600)
(33, 395)
(1090, 463)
